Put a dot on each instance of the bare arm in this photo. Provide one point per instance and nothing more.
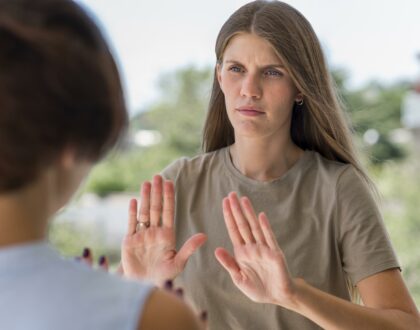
(166, 311)
(387, 305)
(259, 269)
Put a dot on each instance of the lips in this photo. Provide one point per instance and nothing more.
(250, 111)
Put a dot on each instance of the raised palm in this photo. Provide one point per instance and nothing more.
(258, 267)
(148, 251)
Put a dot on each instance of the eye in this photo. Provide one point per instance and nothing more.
(273, 73)
(235, 68)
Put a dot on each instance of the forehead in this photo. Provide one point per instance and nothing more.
(247, 47)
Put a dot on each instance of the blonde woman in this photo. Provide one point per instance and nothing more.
(275, 133)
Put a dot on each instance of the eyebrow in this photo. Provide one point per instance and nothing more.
(274, 65)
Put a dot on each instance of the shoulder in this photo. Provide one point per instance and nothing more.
(330, 168)
(194, 166)
(110, 289)
(178, 316)
(327, 174)
(119, 302)
(53, 289)
(341, 183)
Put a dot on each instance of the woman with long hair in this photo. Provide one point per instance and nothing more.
(276, 134)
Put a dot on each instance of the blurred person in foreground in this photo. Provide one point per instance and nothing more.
(61, 110)
(276, 135)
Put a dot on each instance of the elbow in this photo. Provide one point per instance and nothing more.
(411, 322)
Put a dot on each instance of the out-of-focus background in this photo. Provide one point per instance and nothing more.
(165, 51)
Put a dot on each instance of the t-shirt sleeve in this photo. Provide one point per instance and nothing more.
(172, 171)
(364, 243)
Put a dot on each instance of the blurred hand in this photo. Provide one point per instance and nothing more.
(258, 267)
(179, 292)
(88, 259)
(148, 250)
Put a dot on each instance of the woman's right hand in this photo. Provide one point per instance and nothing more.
(148, 250)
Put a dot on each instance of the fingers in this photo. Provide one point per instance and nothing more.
(228, 263)
(240, 219)
(243, 225)
(132, 217)
(267, 231)
(156, 201)
(189, 247)
(252, 220)
(144, 211)
(103, 263)
(87, 256)
(234, 234)
(168, 204)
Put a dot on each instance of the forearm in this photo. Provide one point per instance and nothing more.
(331, 312)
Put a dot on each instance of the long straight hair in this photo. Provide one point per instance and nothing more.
(320, 124)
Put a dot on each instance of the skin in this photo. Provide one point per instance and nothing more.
(259, 99)
(252, 76)
(150, 253)
(258, 267)
(42, 198)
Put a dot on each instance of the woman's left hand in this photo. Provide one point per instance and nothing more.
(258, 267)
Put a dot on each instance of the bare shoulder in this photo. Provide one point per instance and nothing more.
(166, 311)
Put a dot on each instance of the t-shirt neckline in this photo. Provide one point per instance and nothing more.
(300, 163)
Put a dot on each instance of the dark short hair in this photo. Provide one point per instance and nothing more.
(59, 87)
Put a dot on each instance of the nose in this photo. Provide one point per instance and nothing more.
(251, 86)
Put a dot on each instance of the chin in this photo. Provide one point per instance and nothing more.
(249, 129)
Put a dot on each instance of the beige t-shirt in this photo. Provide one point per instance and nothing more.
(322, 213)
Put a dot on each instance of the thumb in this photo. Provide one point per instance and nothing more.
(189, 247)
(229, 263)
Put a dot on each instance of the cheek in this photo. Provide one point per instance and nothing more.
(281, 96)
(228, 83)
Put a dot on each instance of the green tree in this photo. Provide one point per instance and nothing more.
(400, 188)
(178, 116)
(375, 106)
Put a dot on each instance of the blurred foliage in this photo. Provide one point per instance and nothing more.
(70, 238)
(179, 115)
(399, 184)
(375, 106)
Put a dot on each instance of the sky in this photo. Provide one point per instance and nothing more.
(370, 39)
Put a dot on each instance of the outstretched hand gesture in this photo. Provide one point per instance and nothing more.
(258, 267)
(148, 250)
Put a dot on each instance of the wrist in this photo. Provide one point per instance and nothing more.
(293, 299)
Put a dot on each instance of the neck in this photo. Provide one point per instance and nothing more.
(24, 214)
(264, 159)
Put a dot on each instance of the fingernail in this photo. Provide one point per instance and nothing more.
(102, 260)
(86, 252)
(169, 284)
(203, 316)
(179, 292)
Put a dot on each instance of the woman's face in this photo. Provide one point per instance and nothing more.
(259, 92)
